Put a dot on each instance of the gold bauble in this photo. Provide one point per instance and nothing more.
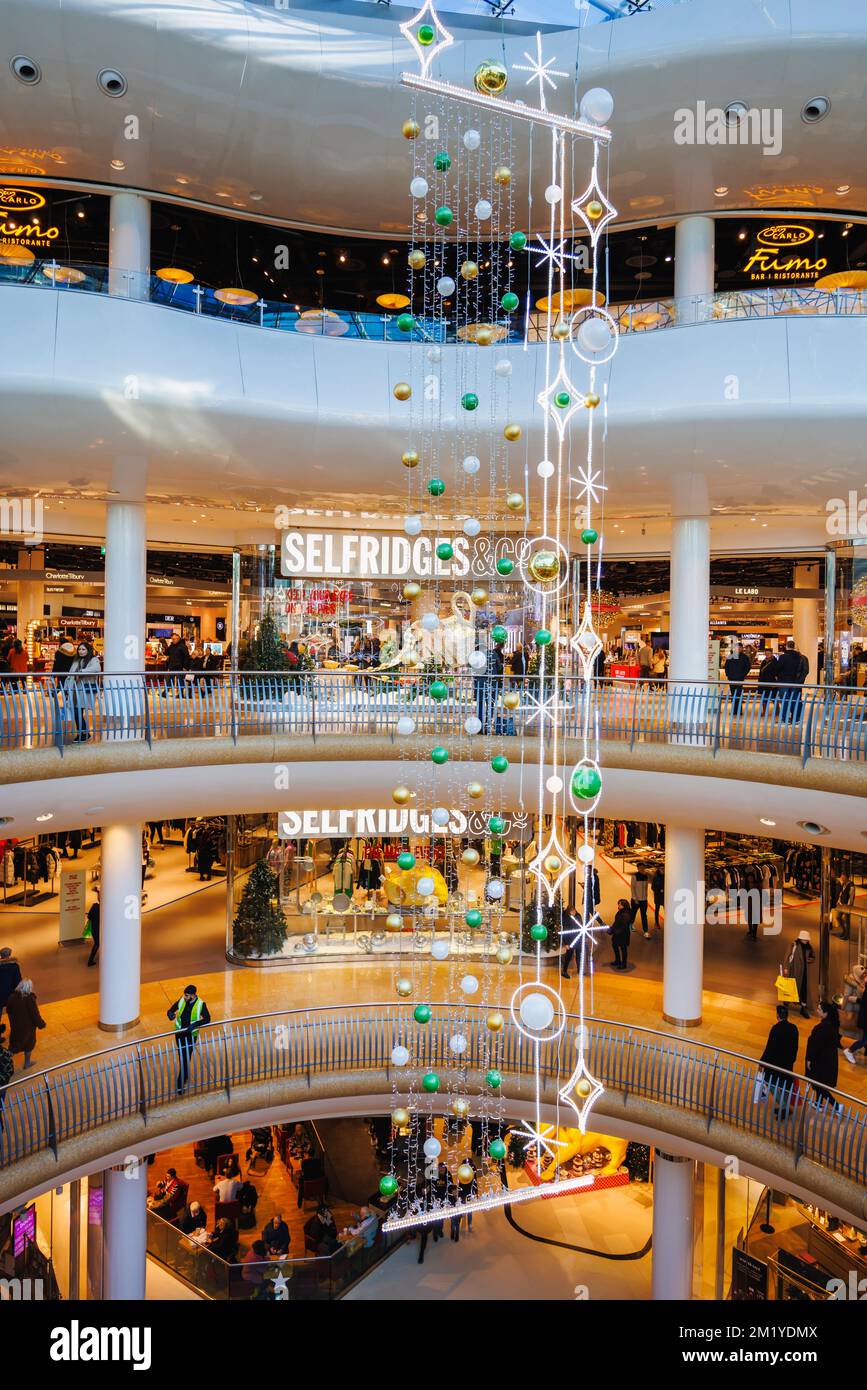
(404, 987)
(469, 270)
(400, 1117)
(484, 336)
(490, 78)
(466, 1173)
(504, 955)
(475, 790)
(409, 458)
(583, 1088)
(512, 432)
(511, 699)
(470, 856)
(515, 502)
(401, 795)
(552, 864)
(591, 400)
(410, 130)
(394, 921)
(416, 260)
(479, 596)
(503, 175)
(594, 209)
(402, 391)
(544, 565)
(460, 1108)
(495, 1022)
(560, 331)
(411, 590)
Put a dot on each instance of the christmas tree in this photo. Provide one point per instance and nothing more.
(259, 928)
(265, 652)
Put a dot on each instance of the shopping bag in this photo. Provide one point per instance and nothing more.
(787, 989)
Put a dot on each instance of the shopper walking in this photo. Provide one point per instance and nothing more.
(189, 1014)
(798, 966)
(7, 1071)
(861, 1044)
(845, 899)
(822, 1047)
(620, 931)
(93, 923)
(737, 668)
(645, 661)
(792, 670)
(657, 888)
(10, 975)
(24, 1019)
(638, 887)
(781, 1050)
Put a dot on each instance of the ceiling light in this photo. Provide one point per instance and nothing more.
(386, 260)
(111, 82)
(765, 821)
(174, 275)
(181, 179)
(841, 189)
(118, 164)
(742, 236)
(392, 301)
(49, 815)
(721, 191)
(816, 109)
(26, 70)
(256, 196)
(813, 827)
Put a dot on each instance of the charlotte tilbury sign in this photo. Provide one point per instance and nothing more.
(391, 555)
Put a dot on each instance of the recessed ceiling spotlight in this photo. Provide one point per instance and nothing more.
(256, 196)
(816, 109)
(49, 815)
(26, 70)
(841, 189)
(181, 179)
(813, 827)
(721, 191)
(764, 820)
(111, 82)
(6, 820)
(118, 164)
(735, 112)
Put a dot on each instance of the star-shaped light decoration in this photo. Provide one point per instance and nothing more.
(281, 1289)
(594, 208)
(551, 877)
(552, 251)
(586, 643)
(539, 71)
(570, 398)
(582, 1090)
(427, 17)
(548, 708)
(538, 1137)
(584, 930)
(590, 486)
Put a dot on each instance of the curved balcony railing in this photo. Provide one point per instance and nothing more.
(44, 1111)
(641, 317)
(806, 722)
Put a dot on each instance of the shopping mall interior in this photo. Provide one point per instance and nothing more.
(433, 649)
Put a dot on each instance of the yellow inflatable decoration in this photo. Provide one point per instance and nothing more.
(574, 1142)
(401, 886)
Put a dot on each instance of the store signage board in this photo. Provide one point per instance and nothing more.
(20, 221)
(391, 555)
(381, 820)
(749, 1278)
(73, 905)
(785, 253)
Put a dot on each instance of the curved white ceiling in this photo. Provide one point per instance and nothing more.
(302, 108)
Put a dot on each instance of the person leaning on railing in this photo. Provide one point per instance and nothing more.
(80, 691)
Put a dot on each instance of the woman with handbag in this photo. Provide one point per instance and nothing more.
(798, 964)
(80, 691)
(822, 1047)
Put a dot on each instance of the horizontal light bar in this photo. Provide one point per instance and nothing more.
(501, 1199)
(508, 108)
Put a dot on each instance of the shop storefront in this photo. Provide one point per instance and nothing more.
(846, 613)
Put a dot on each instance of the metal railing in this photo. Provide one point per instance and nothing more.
(42, 1112)
(84, 277)
(805, 722)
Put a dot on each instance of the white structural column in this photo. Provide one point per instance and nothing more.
(690, 579)
(124, 1231)
(673, 1226)
(693, 257)
(120, 928)
(129, 245)
(684, 926)
(125, 586)
(805, 616)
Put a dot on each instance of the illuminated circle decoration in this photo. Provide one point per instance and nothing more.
(544, 545)
(537, 1011)
(591, 355)
(585, 773)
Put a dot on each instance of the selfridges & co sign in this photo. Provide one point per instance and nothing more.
(372, 555)
(381, 820)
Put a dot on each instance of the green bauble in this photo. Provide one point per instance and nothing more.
(439, 756)
(543, 637)
(497, 1149)
(586, 783)
(436, 487)
(405, 322)
(496, 825)
(498, 633)
(518, 240)
(499, 763)
(444, 216)
(561, 400)
(473, 918)
(505, 565)
(438, 690)
(430, 1082)
(426, 35)
(589, 536)
(493, 1079)
(445, 550)
(388, 1185)
(470, 400)
(510, 301)
(443, 161)
(406, 860)
(539, 932)
(421, 1013)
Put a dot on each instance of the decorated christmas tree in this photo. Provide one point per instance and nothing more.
(259, 928)
(265, 651)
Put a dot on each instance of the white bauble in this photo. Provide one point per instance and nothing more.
(597, 105)
(594, 335)
(483, 209)
(477, 661)
(503, 367)
(472, 526)
(440, 950)
(473, 725)
(472, 139)
(457, 1044)
(440, 815)
(469, 984)
(430, 622)
(418, 188)
(470, 856)
(471, 464)
(553, 193)
(545, 469)
(405, 725)
(425, 887)
(399, 1056)
(412, 525)
(445, 286)
(432, 1147)
(495, 888)
(587, 854)
(537, 1012)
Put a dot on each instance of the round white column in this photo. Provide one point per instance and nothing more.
(673, 1226)
(693, 257)
(805, 616)
(124, 1233)
(690, 593)
(683, 950)
(125, 586)
(120, 927)
(129, 245)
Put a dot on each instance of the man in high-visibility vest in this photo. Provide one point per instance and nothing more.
(188, 1015)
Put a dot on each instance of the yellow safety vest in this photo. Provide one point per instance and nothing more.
(195, 1016)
